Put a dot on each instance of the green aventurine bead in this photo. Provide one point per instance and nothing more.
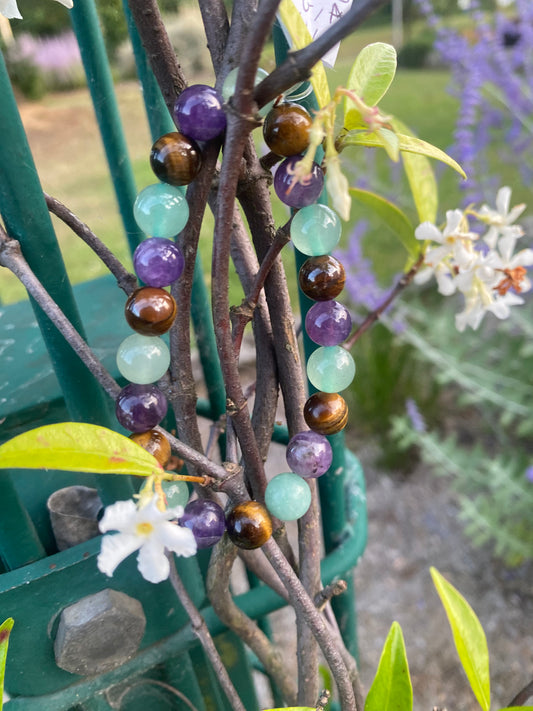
(315, 230)
(143, 359)
(177, 493)
(330, 369)
(161, 210)
(287, 496)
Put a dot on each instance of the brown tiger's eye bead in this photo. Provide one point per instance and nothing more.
(249, 525)
(326, 413)
(155, 443)
(150, 311)
(322, 278)
(175, 159)
(286, 129)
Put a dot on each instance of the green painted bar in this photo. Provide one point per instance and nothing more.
(100, 83)
(19, 542)
(19, 189)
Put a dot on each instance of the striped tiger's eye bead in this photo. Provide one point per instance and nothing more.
(155, 443)
(286, 129)
(322, 278)
(175, 159)
(249, 525)
(150, 311)
(326, 413)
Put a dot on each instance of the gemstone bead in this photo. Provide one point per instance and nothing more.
(330, 368)
(155, 443)
(315, 230)
(286, 129)
(322, 278)
(198, 112)
(249, 525)
(161, 210)
(206, 520)
(150, 311)
(175, 159)
(140, 407)
(143, 359)
(298, 194)
(287, 496)
(176, 492)
(328, 323)
(326, 413)
(228, 87)
(158, 261)
(309, 454)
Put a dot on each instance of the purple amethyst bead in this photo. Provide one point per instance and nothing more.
(140, 407)
(309, 454)
(328, 323)
(158, 261)
(299, 194)
(206, 520)
(198, 112)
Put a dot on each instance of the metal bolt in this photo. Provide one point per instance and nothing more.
(99, 632)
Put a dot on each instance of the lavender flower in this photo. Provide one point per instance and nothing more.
(415, 417)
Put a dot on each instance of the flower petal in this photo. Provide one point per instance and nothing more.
(178, 539)
(66, 3)
(503, 200)
(428, 231)
(119, 516)
(114, 550)
(152, 561)
(9, 9)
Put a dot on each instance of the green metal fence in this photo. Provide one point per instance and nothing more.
(42, 381)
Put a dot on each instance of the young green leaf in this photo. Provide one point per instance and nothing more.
(396, 220)
(5, 631)
(301, 37)
(370, 77)
(391, 689)
(420, 177)
(409, 144)
(75, 446)
(468, 636)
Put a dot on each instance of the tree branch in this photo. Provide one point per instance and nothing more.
(374, 315)
(523, 695)
(200, 629)
(297, 67)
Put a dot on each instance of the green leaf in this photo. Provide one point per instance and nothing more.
(396, 220)
(410, 144)
(421, 179)
(468, 636)
(391, 689)
(294, 708)
(5, 631)
(301, 37)
(390, 143)
(75, 446)
(370, 77)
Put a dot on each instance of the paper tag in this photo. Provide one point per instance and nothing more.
(318, 15)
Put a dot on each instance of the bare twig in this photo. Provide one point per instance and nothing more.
(202, 632)
(125, 280)
(374, 315)
(219, 593)
(322, 700)
(332, 590)
(523, 695)
(298, 65)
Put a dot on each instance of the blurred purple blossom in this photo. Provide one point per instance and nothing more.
(529, 474)
(415, 416)
(492, 75)
(58, 56)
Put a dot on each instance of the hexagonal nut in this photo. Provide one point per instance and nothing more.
(99, 632)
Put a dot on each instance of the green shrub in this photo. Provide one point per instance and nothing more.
(27, 78)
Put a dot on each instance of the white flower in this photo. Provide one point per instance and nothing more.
(437, 259)
(148, 530)
(9, 9)
(501, 219)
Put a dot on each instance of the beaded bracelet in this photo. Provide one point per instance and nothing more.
(161, 211)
